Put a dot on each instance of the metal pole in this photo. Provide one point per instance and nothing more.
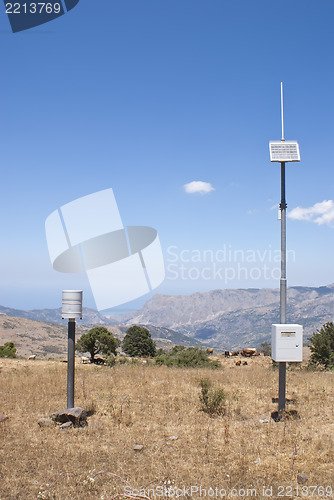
(283, 206)
(282, 115)
(70, 362)
(282, 365)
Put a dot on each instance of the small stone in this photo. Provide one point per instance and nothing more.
(173, 438)
(45, 422)
(66, 425)
(3, 418)
(138, 447)
(302, 478)
(264, 421)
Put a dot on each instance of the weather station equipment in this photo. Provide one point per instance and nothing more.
(71, 310)
(287, 343)
(286, 339)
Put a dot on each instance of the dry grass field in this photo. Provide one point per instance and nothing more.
(242, 454)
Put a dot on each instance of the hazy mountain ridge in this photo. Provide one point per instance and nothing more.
(251, 327)
(228, 319)
(174, 310)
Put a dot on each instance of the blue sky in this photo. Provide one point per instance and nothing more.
(148, 96)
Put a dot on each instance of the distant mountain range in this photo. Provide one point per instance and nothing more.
(225, 319)
(230, 319)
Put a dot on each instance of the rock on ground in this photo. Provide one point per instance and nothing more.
(77, 416)
(45, 422)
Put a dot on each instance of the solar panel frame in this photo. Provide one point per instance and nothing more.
(284, 151)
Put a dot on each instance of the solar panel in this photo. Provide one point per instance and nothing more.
(284, 151)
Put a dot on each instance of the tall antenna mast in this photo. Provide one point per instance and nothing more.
(282, 115)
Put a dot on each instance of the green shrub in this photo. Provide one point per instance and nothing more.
(8, 350)
(160, 351)
(212, 401)
(322, 346)
(163, 359)
(123, 360)
(190, 357)
(111, 360)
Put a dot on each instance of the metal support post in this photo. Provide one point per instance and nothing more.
(70, 362)
(283, 286)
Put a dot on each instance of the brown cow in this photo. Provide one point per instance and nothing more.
(209, 350)
(238, 363)
(248, 352)
(234, 353)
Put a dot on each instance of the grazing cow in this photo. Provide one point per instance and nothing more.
(33, 356)
(235, 353)
(209, 350)
(238, 363)
(248, 352)
(85, 360)
(227, 354)
(99, 361)
(244, 363)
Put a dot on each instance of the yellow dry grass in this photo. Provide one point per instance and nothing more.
(184, 449)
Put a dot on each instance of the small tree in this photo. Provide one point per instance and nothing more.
(8, 350)
(322, 346)
(138, 342)
(97, 340)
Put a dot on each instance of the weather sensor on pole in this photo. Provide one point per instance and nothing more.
(71, 309)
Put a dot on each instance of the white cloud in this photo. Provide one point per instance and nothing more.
(198, 187)
(320, 213)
